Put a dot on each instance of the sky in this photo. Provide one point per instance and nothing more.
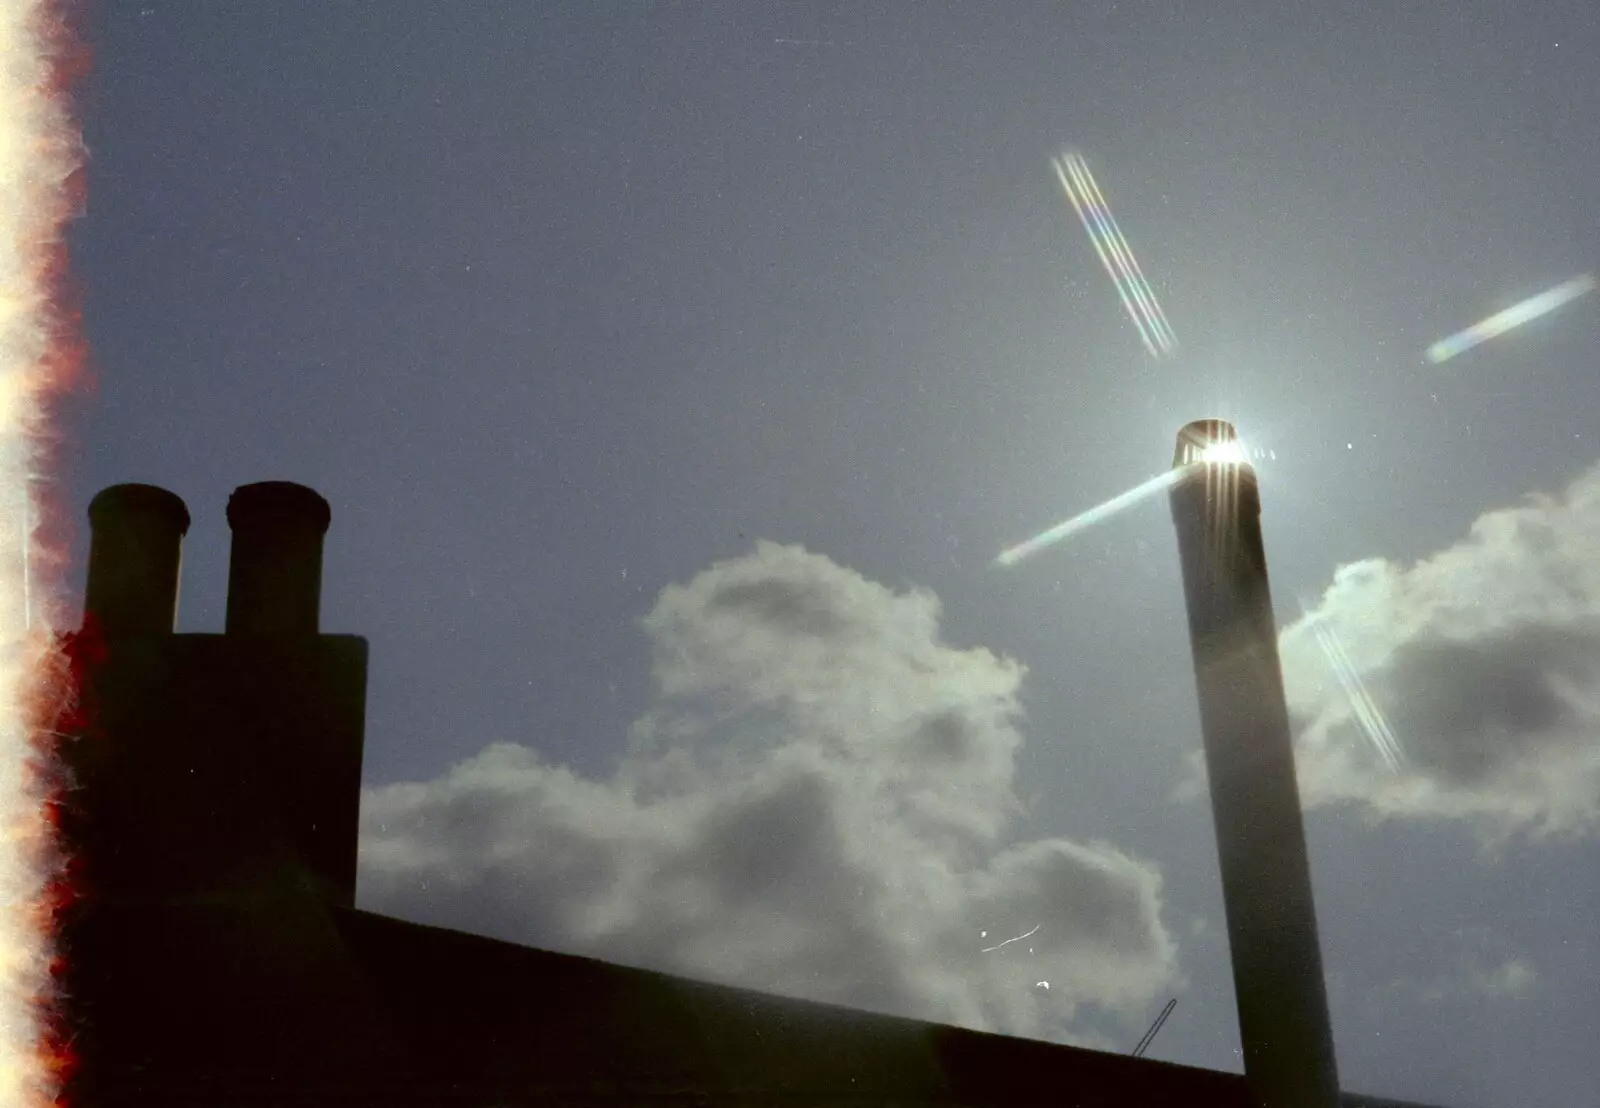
(676, 371)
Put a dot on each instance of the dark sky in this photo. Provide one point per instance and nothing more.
(561, 306)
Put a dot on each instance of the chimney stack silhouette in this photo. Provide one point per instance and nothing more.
(219, 768)
(1255, 799)
(214, 812)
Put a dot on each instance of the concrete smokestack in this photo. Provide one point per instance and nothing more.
(135, 555)
(275, 569)
(1255, 801)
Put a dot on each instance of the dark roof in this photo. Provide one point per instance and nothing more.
(297, 1003)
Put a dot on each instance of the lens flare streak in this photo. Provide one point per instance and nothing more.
(1514, 316)
(1227, 453)
(1099, 513)
(1368, 715)
(1111, 245)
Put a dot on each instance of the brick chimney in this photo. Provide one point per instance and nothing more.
(219, 768)
(214, 812)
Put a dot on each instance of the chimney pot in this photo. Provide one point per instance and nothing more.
(135, 557)
(275, 568)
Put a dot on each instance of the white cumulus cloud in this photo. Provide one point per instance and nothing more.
(1468, 966)
(816, 803)
(1485, 661)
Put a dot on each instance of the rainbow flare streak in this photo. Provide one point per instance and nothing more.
(1369, 716)
(1115, 254)
(1227, 453)
(1097, 514)
(1514, 316)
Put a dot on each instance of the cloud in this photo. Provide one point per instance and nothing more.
(1472, 966)
(816, 804)
(1485, 661)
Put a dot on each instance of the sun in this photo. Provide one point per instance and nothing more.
(1229, 452)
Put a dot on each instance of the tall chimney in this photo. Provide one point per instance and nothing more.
(135, 553)
(1255, 801)
(275, 568)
